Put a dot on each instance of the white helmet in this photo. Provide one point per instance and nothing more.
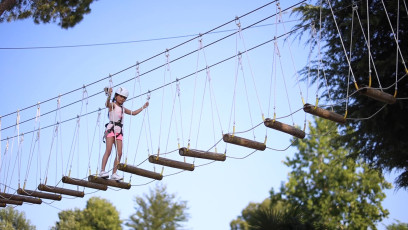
(122, 91)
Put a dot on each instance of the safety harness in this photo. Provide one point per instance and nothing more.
(112, 129)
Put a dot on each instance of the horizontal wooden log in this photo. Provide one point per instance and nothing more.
(202, 154)
(329, 115)
(20, 198)
(84, 183)
(243, 142)
(14, 202)
(171, 163)
(139, 171)
(284, 128)
(378, 95)
(44, 195)
(69, 192)
(112, 183)
(2, 205)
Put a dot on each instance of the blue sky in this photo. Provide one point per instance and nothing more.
(217, 191)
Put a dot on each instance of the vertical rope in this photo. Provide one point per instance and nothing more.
(286, 88)
(342, 43)
(19, 151)
(368, 44)
(396, 53)
(5, 153)
(100, 144)
(60, 133)
(291, 54)
(98, 124)
(33, 145)
(130, 117)
(16, 130)
(250, 68)
(162, 106)
(247, 96)
(200, 46)
(395, 39)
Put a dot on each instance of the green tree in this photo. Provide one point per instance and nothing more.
(11, 219)
(325, 189)
(331, 186)
(273, 213)
(68, 13)
(158, 211)
(398, 226)
(382, 139)
(98, 214)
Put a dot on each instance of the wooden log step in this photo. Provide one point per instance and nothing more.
(378, 95)
(113, 183)
(2, 205)
(202, 154)
(44, 195)
(243, 142)
(171, 163)
(14, 202)
(47, 188)
(84, 183)
(284, 128)
(308, 108)
(20, 198)
(139, 171)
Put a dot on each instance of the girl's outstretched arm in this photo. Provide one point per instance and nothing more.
(136, 112)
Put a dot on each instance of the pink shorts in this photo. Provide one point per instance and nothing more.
(112, 134)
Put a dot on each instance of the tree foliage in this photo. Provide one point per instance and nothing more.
(158, 211)
(276, 214)
(331, 186)
(398, 226)
(382, 139)
(11, 219)
(66, 12)
(98, 214)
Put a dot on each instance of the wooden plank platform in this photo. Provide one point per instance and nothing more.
(202, 154)
(243, 142)
(284, 128)
(2, 205)
(108, 182)
(47, 188)
(139, 171)
(84, 183)
(378, 95)
(44, 195)
(171, 163)
(329, 115)
(20, 198)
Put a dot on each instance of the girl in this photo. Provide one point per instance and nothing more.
(113, 131)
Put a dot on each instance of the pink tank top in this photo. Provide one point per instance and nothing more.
(116, 114)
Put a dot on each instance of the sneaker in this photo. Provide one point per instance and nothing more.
(104, 174)
(116, 177)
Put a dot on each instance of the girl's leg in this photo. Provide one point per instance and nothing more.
(118, 156)
(109, 143)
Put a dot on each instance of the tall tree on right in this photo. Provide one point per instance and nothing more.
(333, 188)
(158, 210)
(381, 140)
